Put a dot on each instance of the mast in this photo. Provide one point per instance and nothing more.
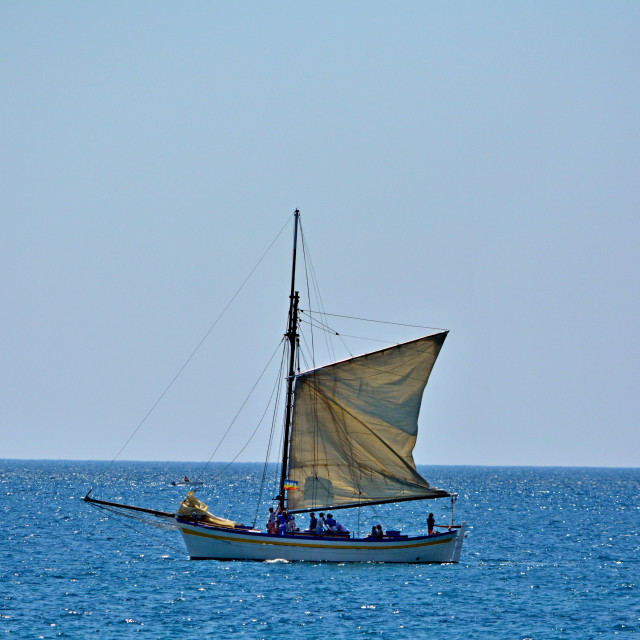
(292, 336)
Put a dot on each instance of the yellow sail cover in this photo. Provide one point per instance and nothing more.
(192, 506)
(355, 425)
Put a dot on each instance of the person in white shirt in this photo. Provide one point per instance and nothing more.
(271, 521)
(291, 525)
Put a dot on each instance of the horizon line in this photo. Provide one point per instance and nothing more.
(202, 462)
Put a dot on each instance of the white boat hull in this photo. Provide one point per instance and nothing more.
(206, 542)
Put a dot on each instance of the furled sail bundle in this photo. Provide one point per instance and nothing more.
(355, 424)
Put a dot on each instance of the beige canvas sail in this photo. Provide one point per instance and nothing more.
(355, 425)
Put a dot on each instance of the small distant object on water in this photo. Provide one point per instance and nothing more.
(185, 481)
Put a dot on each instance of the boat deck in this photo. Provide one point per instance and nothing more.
(309, 535)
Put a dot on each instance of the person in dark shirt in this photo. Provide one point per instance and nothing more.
(330, 522)
(430, 523)
(313, 522)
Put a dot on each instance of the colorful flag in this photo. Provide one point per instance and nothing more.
(291, 485)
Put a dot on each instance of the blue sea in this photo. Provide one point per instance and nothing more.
(550, 553)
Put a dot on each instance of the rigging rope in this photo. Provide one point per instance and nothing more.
(193, 353)
(271, 433)
(119, 517)
(310, 272)
(397, 324)
(236, 417)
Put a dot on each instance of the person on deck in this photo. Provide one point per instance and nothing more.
(282, 522)
(313, 522)
(331, 523)
(430, 523)
(379, 532)
(291, 525)
(340, 528)
(271, 521)
(321, 524)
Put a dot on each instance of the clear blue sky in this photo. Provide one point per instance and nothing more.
(472, 166)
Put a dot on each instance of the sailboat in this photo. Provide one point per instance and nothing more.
(349, 432)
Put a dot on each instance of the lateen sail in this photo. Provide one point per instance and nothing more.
(355, 425)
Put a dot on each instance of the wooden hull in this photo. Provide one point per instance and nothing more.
(206, 542)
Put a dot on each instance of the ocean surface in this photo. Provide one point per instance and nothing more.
(550, 553)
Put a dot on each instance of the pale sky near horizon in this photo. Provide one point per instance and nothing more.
(470, 166)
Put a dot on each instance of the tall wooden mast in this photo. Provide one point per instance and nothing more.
(292, 336)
